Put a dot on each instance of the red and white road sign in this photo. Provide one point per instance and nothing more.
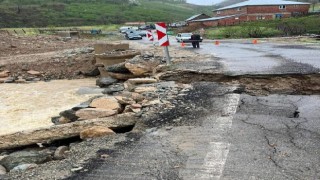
(149, 35)
(162, 34)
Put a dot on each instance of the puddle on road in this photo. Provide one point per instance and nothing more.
(30, 106)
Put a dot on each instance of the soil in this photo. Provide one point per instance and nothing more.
(55, 57)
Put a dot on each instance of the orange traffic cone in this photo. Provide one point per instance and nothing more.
(255, 41)
(217, 43)
(183, 44)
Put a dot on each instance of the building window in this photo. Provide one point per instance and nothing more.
(260, 17)
(282, 7)
(239, 9)
(218, 12)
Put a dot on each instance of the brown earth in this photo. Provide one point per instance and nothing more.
(53, 56)
(12, 45)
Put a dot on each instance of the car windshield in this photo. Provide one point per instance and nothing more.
(186, 35)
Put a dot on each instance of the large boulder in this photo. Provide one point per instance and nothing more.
(64, 131)
(24, 157)
(96, 131)
(94, 113)
(108, 103)
(118, 68)
(141, 66)
(105, 81)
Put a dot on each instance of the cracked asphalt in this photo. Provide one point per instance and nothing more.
(216, 132)
(275, 137)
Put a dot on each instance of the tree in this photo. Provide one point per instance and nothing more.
(313, 2)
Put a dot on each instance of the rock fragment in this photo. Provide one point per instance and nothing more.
(105, 81)
(3, 170)
(24, 167)
(93, 113)
(24, 157)
(34, 73)
(60, 152)
(4, 74)
(96, 131)
(145, 89)
(142, 80)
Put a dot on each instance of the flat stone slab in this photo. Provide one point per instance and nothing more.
(142, 80)
(64, 131)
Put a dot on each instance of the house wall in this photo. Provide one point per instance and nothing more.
(254, 13)
(205, 23)
(303, 9)
(266, 11)
(232, 20)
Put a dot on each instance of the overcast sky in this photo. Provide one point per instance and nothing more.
(204, 2)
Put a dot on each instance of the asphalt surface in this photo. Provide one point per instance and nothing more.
(243, 57)
(217, 133)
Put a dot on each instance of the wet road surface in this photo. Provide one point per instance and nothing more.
(234, 135)
(243, 57)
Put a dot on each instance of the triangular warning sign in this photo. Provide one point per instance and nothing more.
(160, 34)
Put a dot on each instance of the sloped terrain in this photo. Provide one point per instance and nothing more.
(41, 13)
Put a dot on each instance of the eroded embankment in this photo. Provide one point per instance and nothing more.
(291, 84)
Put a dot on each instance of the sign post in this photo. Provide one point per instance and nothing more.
(163, 39)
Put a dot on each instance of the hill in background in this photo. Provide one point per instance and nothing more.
(43, 13)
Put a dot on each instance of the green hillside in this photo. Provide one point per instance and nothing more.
(43, 13)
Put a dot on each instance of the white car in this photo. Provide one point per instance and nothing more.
(126, 28)
(185, 37)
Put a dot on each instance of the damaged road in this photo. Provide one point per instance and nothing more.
(248, 121)
(244, 126)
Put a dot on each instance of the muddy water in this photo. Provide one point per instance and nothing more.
(30, 106)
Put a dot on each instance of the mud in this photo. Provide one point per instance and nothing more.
(290, 84)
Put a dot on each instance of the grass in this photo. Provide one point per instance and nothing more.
(43, 13)
(271, 28)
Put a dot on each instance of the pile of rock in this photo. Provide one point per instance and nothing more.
(31, 76)
(130, 92)
(139, 66)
